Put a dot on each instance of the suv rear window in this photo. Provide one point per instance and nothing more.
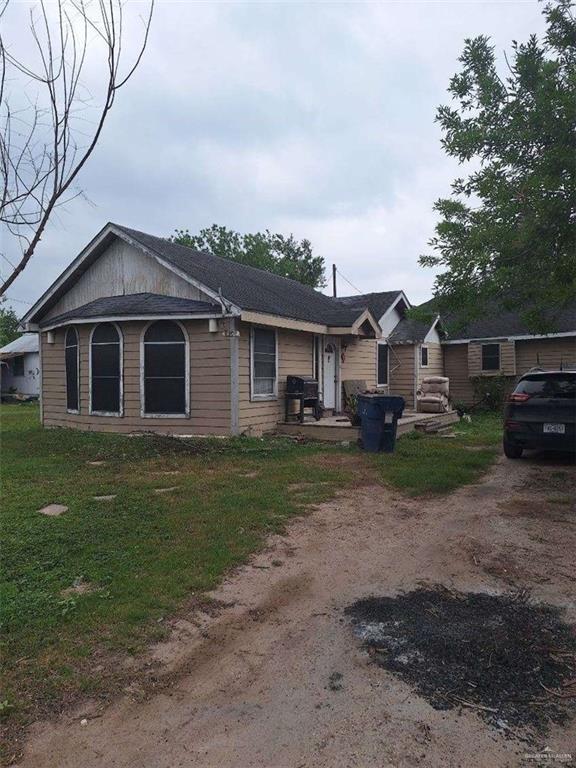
(557, 385)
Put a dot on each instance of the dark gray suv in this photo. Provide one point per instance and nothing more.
(541, 413)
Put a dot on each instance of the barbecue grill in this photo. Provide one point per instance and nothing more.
(303, 389)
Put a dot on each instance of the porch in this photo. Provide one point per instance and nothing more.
(338, 428)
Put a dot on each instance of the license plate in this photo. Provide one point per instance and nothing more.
(556, 429)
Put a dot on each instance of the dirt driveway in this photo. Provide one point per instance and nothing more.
(278, 680)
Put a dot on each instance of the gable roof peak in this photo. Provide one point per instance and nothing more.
(241, 287)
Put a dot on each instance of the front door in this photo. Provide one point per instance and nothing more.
(330, 373)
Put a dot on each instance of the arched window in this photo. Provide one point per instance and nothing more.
(105, 368)
(71, 355)
(164, 373)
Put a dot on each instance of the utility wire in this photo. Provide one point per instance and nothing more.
(348, 281)
(20, 301)
(7, 259)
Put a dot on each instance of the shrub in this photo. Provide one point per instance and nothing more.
(491, 391)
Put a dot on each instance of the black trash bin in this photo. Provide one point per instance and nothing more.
(379, 416)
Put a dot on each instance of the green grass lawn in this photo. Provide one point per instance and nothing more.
(143, 554)
(424, 464)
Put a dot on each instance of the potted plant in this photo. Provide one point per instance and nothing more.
(351, 409)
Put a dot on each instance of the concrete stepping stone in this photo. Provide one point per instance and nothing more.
(95, 463)
(166, 490)
(79, 587)
(109, 497)
(53, 510)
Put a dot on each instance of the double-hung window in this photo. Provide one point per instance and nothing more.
(71, 357)
(105, 370)
(490, 357)
(264, 364)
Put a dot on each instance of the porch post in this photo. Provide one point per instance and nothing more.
(233, 334)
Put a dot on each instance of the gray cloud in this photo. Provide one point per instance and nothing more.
(315, 118)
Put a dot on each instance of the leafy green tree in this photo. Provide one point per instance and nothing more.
(8, 325)
(507, 233)
(282, 255)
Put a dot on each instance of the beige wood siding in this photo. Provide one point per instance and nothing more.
(359, 360)
(401, 372)
(456, 368)
(435, 365)
(209, 384)
(548, 353)
(295, 356)
(123, 269)
(507, 359)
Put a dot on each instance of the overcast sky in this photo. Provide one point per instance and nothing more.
(315, 118)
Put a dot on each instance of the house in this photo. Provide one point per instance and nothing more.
(501, 345)
(20, 367)
(141, 334)
(407, 350)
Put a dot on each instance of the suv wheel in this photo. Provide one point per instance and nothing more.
(511, 451)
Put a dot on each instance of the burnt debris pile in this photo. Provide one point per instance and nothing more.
(512, 661)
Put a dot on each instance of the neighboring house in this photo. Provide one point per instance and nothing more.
(142, 334)
(20, 366)
(501, 345)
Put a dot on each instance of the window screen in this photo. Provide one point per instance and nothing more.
(423, 356)
(105, 369)
(164, 369)
(71, 355)
(490, 357)
(263, 362)
(382, 364)
(18, 366)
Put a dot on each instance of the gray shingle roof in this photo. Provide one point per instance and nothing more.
(136, 304)
(247, 287)
(409, 331)
(500, 324)
(377, 303)
(28, 342)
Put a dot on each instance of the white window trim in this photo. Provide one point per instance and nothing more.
(425, 347)
(73, 410)
(492, 371)
(186, 414)
(254, 398)
(116, 414)
(383, 383)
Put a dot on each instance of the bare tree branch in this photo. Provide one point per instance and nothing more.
(42, 148)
